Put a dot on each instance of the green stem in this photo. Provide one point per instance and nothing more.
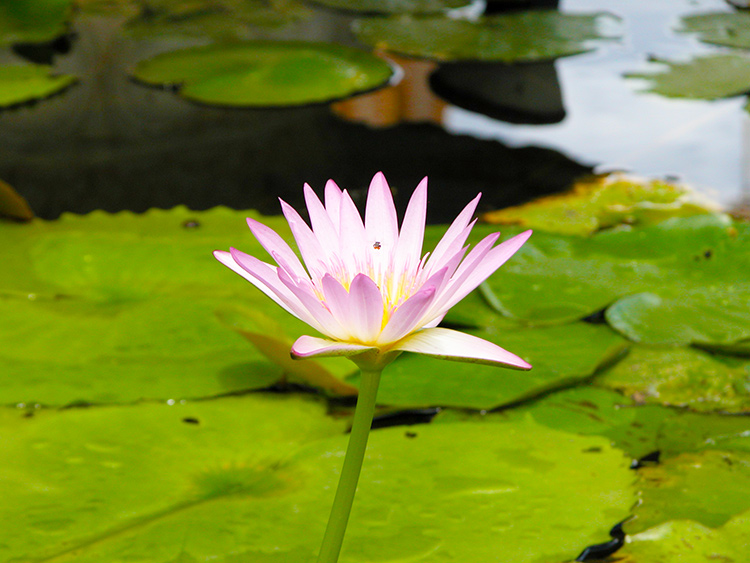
(355, 453)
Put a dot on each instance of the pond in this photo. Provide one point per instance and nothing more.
(151, 411)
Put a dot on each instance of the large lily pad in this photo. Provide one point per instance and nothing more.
(731, 29)
(522, 36)
(695, 432)
(603, 203)
(709, 487)
(266, 73)
(560, 356)
(681, 377)
(703, 78)
(25, 83)
(33, 21)
(225, 481)
(393, 6)
(91, 478)
(696, 267)
(687, 541)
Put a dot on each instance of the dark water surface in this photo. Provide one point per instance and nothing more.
(521, 131)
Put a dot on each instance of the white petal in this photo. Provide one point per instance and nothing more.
(333, 203)
(322, 226)
(365, 309)
(310, 346)
(381, 221)
(307, 243)
(411, 237)
(459, 346)
(272, 242)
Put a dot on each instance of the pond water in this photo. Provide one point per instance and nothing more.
(511, 131)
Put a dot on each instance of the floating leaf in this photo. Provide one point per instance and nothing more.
(12, 205)
(731, 29)
(393, 6)
(681, 377)
(603, 203)
(266, 73)
(25, 83)
(708, 487)
(687, 541)
(521, 36)
(695, 432)
(33, 21)
(224, 480)
(703, 78)
(560, 356)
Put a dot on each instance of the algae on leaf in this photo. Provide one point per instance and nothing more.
(266, 73)
(515, 37)
(26, 83)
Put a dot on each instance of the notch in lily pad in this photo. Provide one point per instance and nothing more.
(267, 74)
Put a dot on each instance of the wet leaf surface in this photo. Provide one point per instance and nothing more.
(521, 36)
(702, 78)
(603, 203)
(730, 29)
(266, 73)
(560, 356)
(33, 21)
(682, 377)
(25, 83)
(255, 496)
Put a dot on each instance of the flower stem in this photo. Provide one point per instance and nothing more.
(355, 453)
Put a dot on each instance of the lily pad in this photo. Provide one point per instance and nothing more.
(708, 487)
(695, 432)
(687, 541)
(91, 479)
(560, 356)
(266, 73)
(681, 377)
(142, 483)
(696, 267)
(393, 6)
(33, 21)
(730, 29)
(702, 78)
(515, 37)
(603, 203)
(26, 83)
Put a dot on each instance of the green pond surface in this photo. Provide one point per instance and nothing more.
(149, 409)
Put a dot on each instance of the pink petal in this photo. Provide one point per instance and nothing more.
(333, 203)
(365, 308)
(272, 242)
(411, 238)
(381, 221)
(317, 315)
(353, 241)
(407, 316)
(456, 235)
(337, 301)
(322, 226)
(307, 242)
(310, 346)
(459, 346)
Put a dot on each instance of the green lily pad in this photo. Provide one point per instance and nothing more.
(730, 29)
(26, 83)
(142, 483)
(696, 267)
(560, 356)
(708, 487)
(703, 78)
(587, 411)
(681, 377)
(33, 21)
(393, 6)
(687, 541)
(266, 73)
(522, 36)
(93, 478)
(695, 432)
(603, 203)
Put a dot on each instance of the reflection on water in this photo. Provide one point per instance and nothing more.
(113, 144)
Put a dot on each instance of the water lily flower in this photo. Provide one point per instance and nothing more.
(368, 289)
(366, 286)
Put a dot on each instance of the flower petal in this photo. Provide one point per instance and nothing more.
(352, 241)
(406, 317)
(322, 226)
(307, 242)
(365, 309)
(381, 220)
(453, 345)
(317, 316)
(333, 203)
(411, 238)
(311, 346)
(456, 235)
(272, 242)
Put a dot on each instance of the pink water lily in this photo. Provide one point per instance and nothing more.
(366, 286)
